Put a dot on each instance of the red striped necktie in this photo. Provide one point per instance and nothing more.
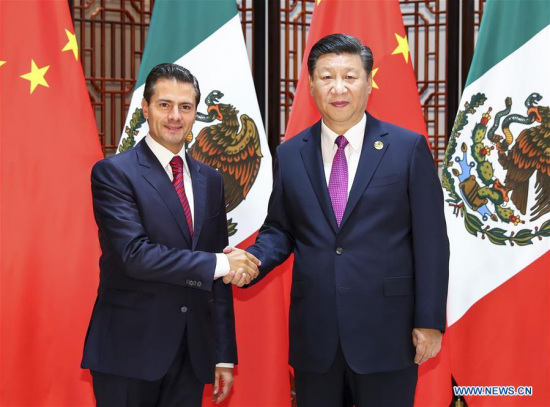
(177, 170)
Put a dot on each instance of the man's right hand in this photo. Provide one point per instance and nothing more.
(243, 267)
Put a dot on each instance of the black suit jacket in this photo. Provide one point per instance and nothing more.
(156, 282)
(384, 271)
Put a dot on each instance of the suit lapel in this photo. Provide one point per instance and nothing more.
(368, 162)
(199, 197)
(155, 175)
(313, 161)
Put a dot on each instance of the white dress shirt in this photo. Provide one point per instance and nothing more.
(355, 137)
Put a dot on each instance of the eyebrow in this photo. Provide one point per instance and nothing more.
(172, 101)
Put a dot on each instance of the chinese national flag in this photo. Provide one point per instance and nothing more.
(379, 25)
(49, 247)
(394, 98)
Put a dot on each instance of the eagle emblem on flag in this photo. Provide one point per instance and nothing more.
(497, 170)
(232, 146)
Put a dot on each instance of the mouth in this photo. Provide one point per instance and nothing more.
(173, 128)
(339, 104)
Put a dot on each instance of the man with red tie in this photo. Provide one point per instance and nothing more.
(359, 203)
(163, 322)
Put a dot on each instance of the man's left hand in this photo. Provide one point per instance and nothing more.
(427, 343)
(222, 384)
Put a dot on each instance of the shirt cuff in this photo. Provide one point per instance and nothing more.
(222, 266)
(230, 365)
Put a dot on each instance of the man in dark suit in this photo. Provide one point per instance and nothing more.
(163, 322)
(359, 203)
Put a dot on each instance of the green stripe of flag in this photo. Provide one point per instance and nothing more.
(506, 25)
(178, 26)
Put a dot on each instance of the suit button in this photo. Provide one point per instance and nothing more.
(184, 309)
(339, 250)
(199, 284)
(191, 283)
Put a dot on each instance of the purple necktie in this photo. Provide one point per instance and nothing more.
(177, 170)
(338, 182)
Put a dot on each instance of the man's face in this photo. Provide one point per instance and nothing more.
(340, 88)
(171, 113)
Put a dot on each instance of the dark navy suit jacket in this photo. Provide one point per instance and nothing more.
(156, 282)
(384, 271)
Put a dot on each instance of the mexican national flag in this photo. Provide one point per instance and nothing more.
(206, 38)
(49, 247)
(497, 185)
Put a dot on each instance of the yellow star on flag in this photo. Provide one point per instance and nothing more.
(374, 85)
(71, 45)
(36, 76)
(318, 2)
(402, 47)
(2, 63)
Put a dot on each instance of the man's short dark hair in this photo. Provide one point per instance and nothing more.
(170, 71)
(340, 44)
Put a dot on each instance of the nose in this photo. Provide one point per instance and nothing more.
(339, 86)
(174, 113)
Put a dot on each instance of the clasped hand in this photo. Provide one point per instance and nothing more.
(243, 266)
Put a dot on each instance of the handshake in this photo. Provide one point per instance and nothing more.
(243, 266)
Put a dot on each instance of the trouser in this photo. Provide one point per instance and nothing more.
(178, 388)
(341, 387)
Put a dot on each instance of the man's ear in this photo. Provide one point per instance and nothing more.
(310, 84)
(145, 108)
(369, 83)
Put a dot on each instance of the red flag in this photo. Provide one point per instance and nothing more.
(50, 252)
(262, 376)
(394, 98)
(507, 349)
(378, 24)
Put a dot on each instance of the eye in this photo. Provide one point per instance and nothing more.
(163, 105)
(186, 107)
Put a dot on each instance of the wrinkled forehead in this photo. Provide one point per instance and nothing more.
(339, 62)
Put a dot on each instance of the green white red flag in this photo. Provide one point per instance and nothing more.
(496, 178)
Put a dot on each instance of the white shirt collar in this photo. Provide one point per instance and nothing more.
(164, 155)
(354, 135)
